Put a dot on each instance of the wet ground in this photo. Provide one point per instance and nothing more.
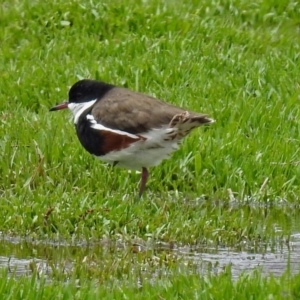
(22, 256)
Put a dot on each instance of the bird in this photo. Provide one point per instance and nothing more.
(126, 128)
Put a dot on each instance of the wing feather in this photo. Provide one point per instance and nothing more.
(133, 112)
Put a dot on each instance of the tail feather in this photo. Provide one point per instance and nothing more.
(186, 121)
(179, 127)
(202, 119)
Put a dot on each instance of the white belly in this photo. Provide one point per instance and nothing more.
(141, 154)
(144, 153)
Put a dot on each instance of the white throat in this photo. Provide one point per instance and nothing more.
(78, 108)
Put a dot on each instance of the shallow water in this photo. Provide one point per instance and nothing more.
(21, 256)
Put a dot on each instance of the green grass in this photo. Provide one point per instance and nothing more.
(233, 183)
(181, 286)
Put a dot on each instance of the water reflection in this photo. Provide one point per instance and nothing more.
(21, 257)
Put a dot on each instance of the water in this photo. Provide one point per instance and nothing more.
(21, 256)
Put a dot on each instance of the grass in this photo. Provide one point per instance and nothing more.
(181, 286)
(234, 183)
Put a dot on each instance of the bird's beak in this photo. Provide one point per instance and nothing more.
(60, 106)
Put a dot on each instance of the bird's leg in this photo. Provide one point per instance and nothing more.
(144, 178)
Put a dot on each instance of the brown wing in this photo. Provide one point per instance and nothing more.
(133, 112)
